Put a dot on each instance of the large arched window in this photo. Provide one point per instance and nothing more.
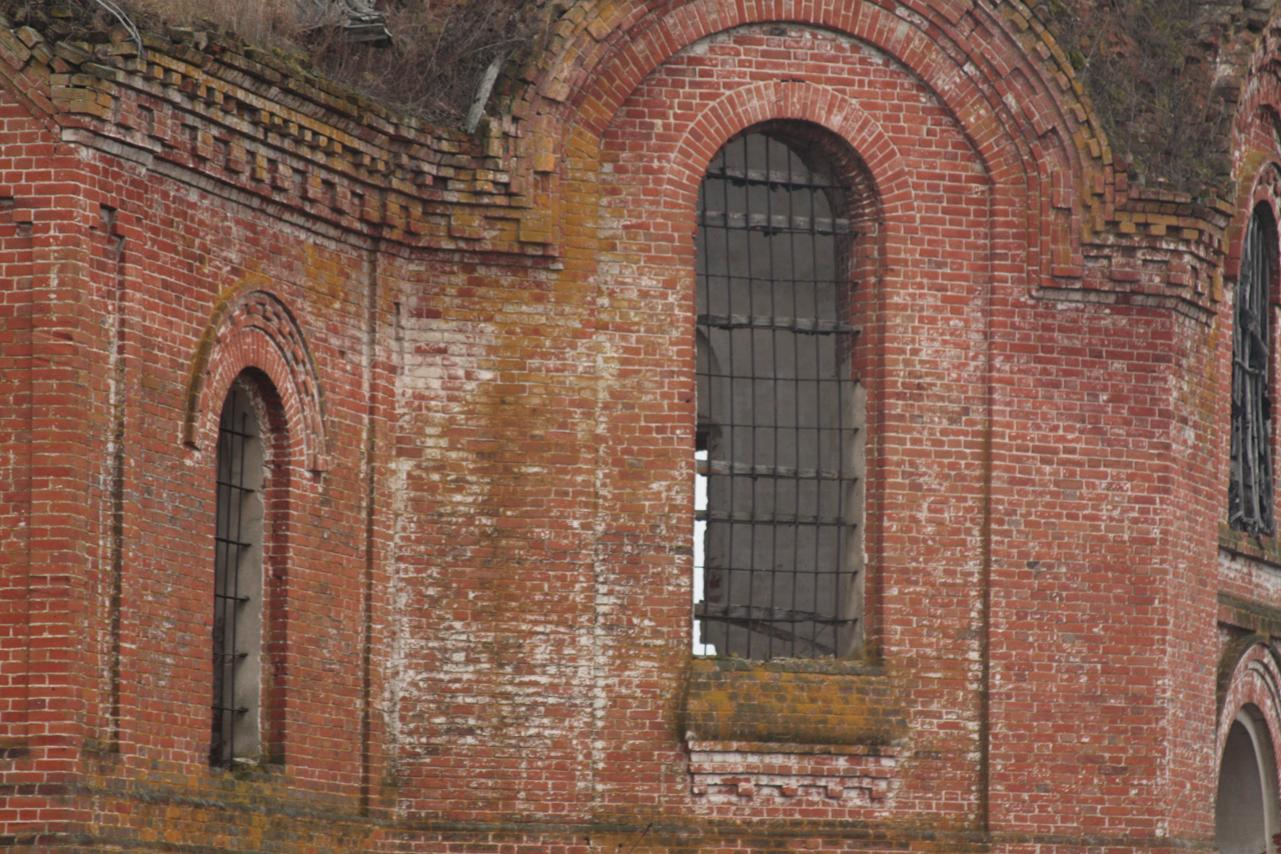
(1250, 485)
(239, 591)
(779, 439)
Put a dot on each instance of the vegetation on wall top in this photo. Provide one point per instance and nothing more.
(1149, 66)
(437, 52)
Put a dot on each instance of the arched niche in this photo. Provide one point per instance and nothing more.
(1246, 811)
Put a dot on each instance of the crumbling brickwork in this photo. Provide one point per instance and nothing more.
(476, 361)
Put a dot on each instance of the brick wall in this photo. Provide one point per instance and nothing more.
(481, 357)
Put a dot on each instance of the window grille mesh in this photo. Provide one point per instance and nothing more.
(779, 444)
(1250, 485)
(237, 583)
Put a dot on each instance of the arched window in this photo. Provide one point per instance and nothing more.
(779, 440)
(238, 581)
(1250, 485)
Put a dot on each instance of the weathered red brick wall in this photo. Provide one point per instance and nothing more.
(37, 654)
(192, 280)
(1032, 456)
(482, 348)
(1102, 664)
(143, 292)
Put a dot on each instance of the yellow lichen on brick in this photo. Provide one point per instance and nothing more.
(736, 701)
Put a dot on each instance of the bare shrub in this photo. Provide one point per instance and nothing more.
(1144, 65)
(438, 52)
(439, 48)
(265, 22)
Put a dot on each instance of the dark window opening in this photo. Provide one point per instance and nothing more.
(779, 439)
(1250, 484)
(238, 584)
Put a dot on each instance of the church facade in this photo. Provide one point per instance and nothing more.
(771, 425)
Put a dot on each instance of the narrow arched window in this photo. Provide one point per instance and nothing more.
(1250, 485)
(779, 445)
(238, 582)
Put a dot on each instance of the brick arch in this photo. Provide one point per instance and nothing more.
(1256, 150)
(254, 329)
(1249, 676)
(1257, 89)
(873, 168)
(602, 56)
(1256, 118)
(792, 101)
(1022, 113)
(1265, 188)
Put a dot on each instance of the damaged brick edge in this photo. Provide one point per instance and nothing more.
(240, 121)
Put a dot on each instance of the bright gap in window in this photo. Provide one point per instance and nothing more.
(700, 534)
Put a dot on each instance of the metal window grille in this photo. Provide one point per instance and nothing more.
(779, 445)
(1250, 485)
(237, 583)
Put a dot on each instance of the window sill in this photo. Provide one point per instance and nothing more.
(812, 701)
(793, 732)
(248, 770)
(1264, 549)
(831, 666)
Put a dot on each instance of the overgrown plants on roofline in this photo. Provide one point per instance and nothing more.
(1147, 65)
(423, 56)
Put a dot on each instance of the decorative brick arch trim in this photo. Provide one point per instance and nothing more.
(607, 88)
(1015, 101)
(791, 101)
(603, 56)
(1256, 137)
(1256, 148)
(1267, 187)
(1260, 84)
(1249, 676)
(1264, 188)
(1256, 142)
(254, 329)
